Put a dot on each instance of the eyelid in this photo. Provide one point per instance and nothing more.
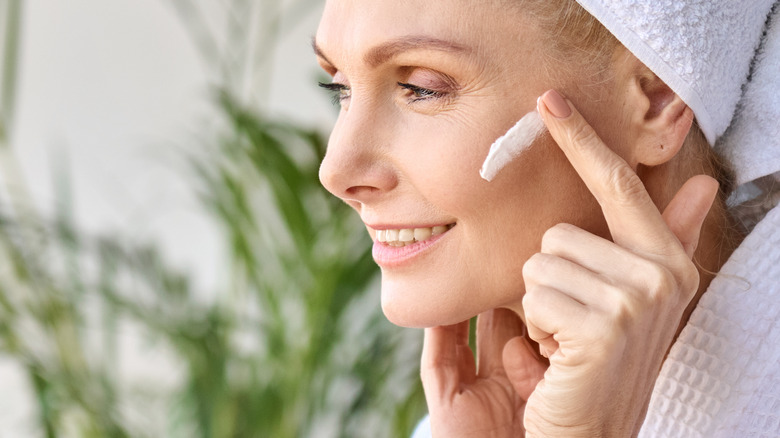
(430, 79)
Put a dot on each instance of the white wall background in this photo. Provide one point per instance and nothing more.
(112, 91)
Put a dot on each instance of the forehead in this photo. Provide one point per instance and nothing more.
(352, 26)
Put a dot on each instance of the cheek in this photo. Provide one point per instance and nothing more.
(500, 224)
(442, 159)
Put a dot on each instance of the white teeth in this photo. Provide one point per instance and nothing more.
(422, 234)
(407, 236)
(438, 230)
(391, 235)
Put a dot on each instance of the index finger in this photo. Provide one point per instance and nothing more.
(633, 218)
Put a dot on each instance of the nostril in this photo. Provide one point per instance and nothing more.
(361, 191)
(361, 194)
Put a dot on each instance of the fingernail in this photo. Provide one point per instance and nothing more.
(556, 104)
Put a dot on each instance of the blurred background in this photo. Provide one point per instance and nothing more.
(169, 264)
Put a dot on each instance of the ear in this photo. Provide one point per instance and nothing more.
(660, 119)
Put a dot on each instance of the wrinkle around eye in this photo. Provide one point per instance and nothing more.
(463, 114)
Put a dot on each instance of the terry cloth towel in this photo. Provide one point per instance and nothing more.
(752, 142)
(702, 49)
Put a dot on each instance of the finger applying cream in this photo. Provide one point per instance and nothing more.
(512, 144)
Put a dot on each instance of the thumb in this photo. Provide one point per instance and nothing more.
(524, 368)
(686, 212)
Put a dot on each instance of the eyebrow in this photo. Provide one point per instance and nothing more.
(384, 52)
(318, 51)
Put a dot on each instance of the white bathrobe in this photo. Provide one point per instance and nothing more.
(722, 376)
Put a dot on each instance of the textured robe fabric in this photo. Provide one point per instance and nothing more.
(722, 376)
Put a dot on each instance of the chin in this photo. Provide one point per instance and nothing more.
(406, 318)
(420, 306)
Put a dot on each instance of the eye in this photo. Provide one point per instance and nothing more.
(339, 92)
(420, 93)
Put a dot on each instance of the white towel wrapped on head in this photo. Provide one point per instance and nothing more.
(702, 49)
(752, 143)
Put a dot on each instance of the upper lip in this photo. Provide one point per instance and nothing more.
(407, 226)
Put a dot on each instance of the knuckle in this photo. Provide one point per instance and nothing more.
(621, 311)
(669, 284)
(531, 301)
(435, 365)
(660, 283)
(528, 298)
(429, 376)
(624, 184)
(582, 136)
(536, 266)
(689, 278)
(555, 236)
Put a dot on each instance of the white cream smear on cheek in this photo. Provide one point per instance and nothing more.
(512, 144)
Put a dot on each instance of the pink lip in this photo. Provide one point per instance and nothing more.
(391, 257)
(402, 226)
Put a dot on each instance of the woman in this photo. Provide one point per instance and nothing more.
(595, 247)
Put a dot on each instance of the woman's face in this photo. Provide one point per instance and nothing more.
(426, 87)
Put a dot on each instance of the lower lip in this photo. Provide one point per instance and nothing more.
(388, 256)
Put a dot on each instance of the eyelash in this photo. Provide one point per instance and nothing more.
(421, 93)
(341, 92)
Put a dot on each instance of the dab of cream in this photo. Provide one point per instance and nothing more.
(510, 145)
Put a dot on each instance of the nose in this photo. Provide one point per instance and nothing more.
(357, 166)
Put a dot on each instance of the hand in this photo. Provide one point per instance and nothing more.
(466, 402)
(606, 312)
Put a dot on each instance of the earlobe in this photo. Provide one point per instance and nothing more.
(664, 121)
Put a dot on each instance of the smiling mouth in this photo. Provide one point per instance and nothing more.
(399, 238)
